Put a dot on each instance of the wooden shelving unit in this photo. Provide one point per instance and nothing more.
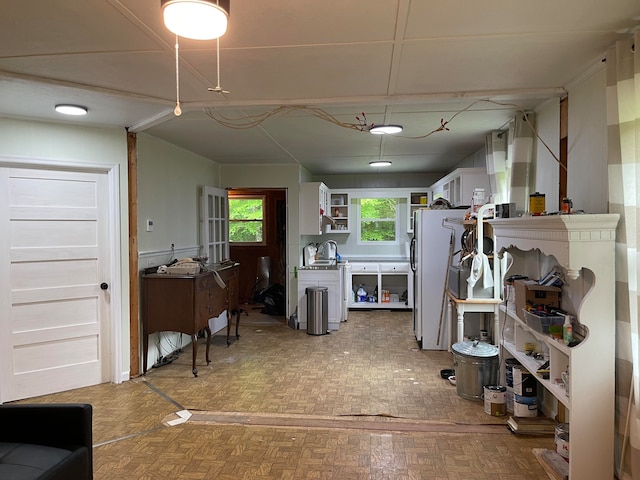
(584, 247)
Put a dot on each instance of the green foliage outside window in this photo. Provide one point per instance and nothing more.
(378, 219)
(246, 220)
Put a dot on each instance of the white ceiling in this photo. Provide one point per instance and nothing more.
(411, 62)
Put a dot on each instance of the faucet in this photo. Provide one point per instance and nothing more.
(325, 253)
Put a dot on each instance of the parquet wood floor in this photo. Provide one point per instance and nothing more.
(360, 403)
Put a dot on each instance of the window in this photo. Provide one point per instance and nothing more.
(378, 221)
(246, 219)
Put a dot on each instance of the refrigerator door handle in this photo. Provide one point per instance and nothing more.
(412, 254)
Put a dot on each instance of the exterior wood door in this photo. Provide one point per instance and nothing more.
(55, 304)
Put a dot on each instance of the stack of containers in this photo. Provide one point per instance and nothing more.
(562, 440)
(509, 364)
(525, 393)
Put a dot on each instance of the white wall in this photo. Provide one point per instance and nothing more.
(169, 183)
(381, 179)
(587, 150)
(64, 144)
(547, 169)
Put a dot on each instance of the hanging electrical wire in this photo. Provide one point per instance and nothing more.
(251, 121)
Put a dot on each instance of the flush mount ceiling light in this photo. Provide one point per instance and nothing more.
(380, 163)
(196, 19)
(385, 129)
(71, 109)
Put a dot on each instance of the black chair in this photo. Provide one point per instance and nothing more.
(46, 442)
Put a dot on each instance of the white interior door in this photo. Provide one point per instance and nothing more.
(54, 315)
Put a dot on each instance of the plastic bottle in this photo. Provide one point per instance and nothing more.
(567, 330)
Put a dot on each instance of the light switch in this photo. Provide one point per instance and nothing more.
(149, 225)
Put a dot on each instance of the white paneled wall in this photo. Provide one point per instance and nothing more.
(547, 168)
(588, 144)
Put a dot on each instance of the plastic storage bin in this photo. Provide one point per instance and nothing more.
(540, 321)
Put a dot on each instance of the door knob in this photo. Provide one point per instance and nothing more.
(104, 286)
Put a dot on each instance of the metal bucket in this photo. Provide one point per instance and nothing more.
(476, 365)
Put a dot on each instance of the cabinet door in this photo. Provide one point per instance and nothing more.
(313, 200)
(320, 278)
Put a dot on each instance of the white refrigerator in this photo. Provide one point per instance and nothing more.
(433, 247)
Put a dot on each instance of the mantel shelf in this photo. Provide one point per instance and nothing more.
(569, 238)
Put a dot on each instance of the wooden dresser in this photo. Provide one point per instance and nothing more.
(185, 303)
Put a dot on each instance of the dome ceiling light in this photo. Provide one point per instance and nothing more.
(380, 163)
(385, 129)
(66, 109)
(196, 19)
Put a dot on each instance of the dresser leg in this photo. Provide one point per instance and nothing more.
(194, 339)
(208, 330)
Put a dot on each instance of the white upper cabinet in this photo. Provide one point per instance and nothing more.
(314, 205)
(457, 187)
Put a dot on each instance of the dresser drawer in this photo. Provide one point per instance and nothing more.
(203, 282)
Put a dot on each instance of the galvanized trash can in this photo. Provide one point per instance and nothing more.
(317, 310)
(476, 364)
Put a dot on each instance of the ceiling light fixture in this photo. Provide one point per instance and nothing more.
(196, 19)
(385, 129)
(71, 109)
(380, 163)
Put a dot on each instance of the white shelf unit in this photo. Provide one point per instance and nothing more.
(559, 353)
(339, 212)
(393, 276)
(417, 199)
(584, 247)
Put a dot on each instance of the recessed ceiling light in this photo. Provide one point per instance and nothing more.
(385, 129)
(380, 163)
(71, 109)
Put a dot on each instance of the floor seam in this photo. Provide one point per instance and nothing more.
(357, 422)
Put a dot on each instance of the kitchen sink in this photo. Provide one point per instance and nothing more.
(321, 265)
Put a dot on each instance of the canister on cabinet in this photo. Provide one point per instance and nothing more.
(536, 203)
(566, 205)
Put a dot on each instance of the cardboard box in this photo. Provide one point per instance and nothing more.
(528, 292)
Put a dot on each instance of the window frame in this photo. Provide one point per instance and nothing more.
(263, 221)
(397, 219)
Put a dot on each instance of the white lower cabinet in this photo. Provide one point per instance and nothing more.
(583, 246)
(332, 279)
(376, 278)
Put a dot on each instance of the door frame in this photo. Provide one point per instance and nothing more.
(286, 247)
(116, 375)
